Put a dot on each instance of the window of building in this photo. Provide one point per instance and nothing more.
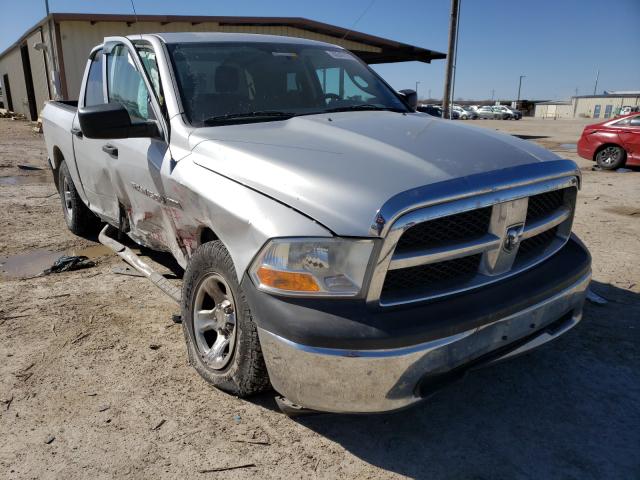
(596, 111)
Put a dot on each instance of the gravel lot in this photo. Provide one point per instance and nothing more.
(94, 379)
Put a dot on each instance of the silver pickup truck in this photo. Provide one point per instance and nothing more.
(338, 246)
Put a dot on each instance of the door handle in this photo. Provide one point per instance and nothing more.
(111, 150)
(77, 132)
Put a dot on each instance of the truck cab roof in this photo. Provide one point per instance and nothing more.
(208, 37)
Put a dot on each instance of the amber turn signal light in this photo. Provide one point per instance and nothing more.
(292, 281)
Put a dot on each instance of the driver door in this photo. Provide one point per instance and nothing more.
(138, 162)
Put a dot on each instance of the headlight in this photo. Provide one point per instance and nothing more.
(312, 266)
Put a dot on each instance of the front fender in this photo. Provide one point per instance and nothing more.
(242, 218)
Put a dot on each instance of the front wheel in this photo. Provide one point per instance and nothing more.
(611, 157)
(222, 339)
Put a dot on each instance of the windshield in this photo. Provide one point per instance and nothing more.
(273, 81)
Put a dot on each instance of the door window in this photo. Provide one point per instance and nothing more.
(94, 92)
(126, 85)
(150, 64)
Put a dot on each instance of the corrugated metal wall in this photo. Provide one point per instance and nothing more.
(79, 37)
(11, 64)
(585, 107)
(553, 111)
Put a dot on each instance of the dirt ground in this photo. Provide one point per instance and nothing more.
(94, 379)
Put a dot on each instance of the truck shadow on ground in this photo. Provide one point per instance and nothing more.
(566, 410)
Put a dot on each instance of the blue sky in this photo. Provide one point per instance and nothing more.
(558, 44)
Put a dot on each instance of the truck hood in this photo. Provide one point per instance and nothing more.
(340, 168)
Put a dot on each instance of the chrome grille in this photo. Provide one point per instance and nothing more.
(443, 231)
(404, 282)
(464, 244)
(544, 204)
(535, 246)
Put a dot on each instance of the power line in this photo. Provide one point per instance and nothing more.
(364, 12)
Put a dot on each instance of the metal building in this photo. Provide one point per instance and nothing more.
(48, 61)
(554, 109)
(602, 106)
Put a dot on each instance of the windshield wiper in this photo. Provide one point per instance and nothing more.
(258, 116)
(362, 107)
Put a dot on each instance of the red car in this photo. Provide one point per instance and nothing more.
(612, 144)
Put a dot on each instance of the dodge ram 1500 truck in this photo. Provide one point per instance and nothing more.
(338, 246)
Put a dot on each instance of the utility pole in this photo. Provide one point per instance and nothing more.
(493, 93)
(453, 28)
(417, 83)
(519, 86)
(595, 87)
(429, 94)
(455, 62)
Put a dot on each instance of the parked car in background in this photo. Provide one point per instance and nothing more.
(471, 113)
(488, 112)
(436, 111)
(627, 109)
(432, 110)
(517, 114)
(612, 144)
(508, 113)
(464, 114)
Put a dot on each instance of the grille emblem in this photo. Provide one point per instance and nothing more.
(512, 238)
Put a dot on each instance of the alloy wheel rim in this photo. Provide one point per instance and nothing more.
(609, 155)
(66, 199)
(214, 321)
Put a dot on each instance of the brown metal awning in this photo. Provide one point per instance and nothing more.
(389, 51)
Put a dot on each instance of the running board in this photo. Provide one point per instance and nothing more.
(132, 259)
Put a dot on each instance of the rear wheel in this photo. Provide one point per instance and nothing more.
(222, 339)
(79, 218)
(611, 157)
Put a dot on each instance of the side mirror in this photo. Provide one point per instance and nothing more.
(111, 121)
(410, 97)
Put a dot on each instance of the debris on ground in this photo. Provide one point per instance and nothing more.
(159, 424)
(224, 469)
(80, 337)
(25, 166)
(237, 418)
(623, 170)
(67, 263)
(176, 318)
(49, 440)
(104, 408)
(7, 402)
(126, 271)
(154, 346)
(252, 442)
(593, 297)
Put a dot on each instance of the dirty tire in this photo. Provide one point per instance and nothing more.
(611, 157)
(245, 373)
(79, 218)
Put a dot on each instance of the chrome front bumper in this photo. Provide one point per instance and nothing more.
(362, 381)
